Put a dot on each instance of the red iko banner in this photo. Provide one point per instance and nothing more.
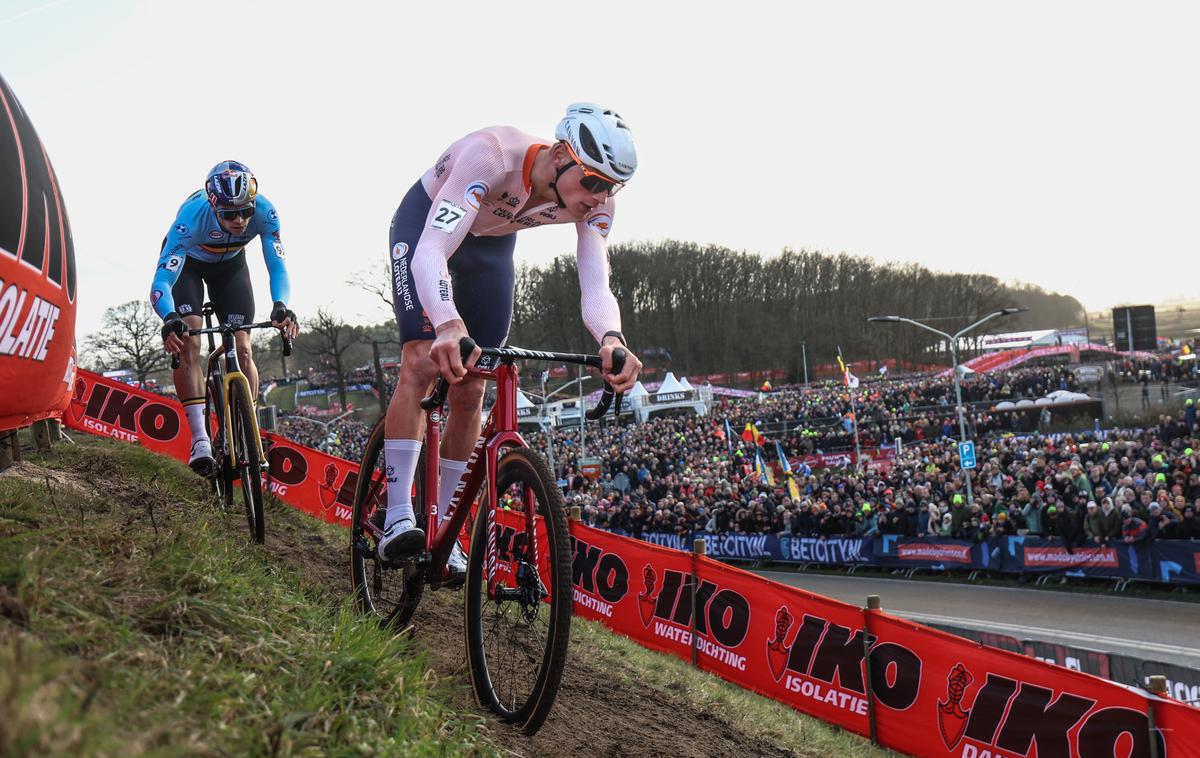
(783, 642)
(308, 480)
(37, 276)
(933, 694)
(973, 701)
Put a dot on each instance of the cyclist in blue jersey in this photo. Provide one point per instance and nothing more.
(205, 246)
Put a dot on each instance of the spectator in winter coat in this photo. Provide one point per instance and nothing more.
(1161, 523)
(1133, 530)
(930, 521)
(1110, 520)
(1093, 524)
(1064, 524)
(1189, 526)
(1002, 527)
(1034, 517)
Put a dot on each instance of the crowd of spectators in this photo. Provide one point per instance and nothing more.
(1129, 486)
(686, 474)
(345, 438)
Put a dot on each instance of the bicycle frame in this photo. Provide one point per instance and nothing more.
(230, 373)
(499, 430)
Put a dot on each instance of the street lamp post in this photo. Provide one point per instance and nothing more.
(952, 339)
(546, 426)
(546, 417)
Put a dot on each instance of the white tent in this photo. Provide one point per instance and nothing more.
(685, 384)
(523, 401)
(639, 390)
(671, 384)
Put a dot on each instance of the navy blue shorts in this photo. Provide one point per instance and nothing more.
(228, 288)
(481, 270)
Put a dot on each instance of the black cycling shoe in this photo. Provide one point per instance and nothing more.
(402, 541)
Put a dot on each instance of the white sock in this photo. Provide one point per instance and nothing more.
(400, 457)
(450, 473)
(195, 419)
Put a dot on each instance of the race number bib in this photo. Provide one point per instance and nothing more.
(447, 216)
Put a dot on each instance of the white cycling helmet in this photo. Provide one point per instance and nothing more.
(600, 139)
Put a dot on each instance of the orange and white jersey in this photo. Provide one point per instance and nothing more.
(481, 186)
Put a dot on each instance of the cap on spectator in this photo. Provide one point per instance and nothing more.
(957, 499)
(1160, 477)
(1188, 401)
(1001, 516)
(1157, 459)
(1052, 510)
(1104, 447)
(1091, 504)
(866, 508)
(1187, 451)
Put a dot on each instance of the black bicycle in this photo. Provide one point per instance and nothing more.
(230, 420)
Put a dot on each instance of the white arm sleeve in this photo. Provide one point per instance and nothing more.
(597, 303)
(450, 218)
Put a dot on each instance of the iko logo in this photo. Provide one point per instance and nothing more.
(121, 415)
(289, 468)
(328, 487)
(1008, 718)
(821, 653)
(721, 613)
(600, 579)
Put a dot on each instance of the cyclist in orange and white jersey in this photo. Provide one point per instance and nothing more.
(452, 242)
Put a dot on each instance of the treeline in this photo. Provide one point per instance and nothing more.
(716, 309)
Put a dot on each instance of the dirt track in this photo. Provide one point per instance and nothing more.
(592, 715)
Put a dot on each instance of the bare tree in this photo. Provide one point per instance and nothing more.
(330, 339)
(130, 338)
(377, 282)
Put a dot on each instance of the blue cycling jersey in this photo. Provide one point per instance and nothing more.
(197, 234)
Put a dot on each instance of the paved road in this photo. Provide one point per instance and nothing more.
(1157, 629)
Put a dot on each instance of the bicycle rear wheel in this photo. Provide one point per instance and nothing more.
(390, 593)
(246, 462)
(221, 477)
(517, 642)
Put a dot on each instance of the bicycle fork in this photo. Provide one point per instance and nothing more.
(237, 377)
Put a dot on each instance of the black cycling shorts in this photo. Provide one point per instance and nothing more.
(228, 288)
(481, 270)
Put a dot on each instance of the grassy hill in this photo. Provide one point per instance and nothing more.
(136, 619)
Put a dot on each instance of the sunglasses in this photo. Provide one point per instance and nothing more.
(593, 181)
(229, 215)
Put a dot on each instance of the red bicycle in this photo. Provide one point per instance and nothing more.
(518, 582)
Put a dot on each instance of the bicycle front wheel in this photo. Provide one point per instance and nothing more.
(389, 593)
(517, 640)
(245, 458)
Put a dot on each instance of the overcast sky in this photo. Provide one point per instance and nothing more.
(1051, 142)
